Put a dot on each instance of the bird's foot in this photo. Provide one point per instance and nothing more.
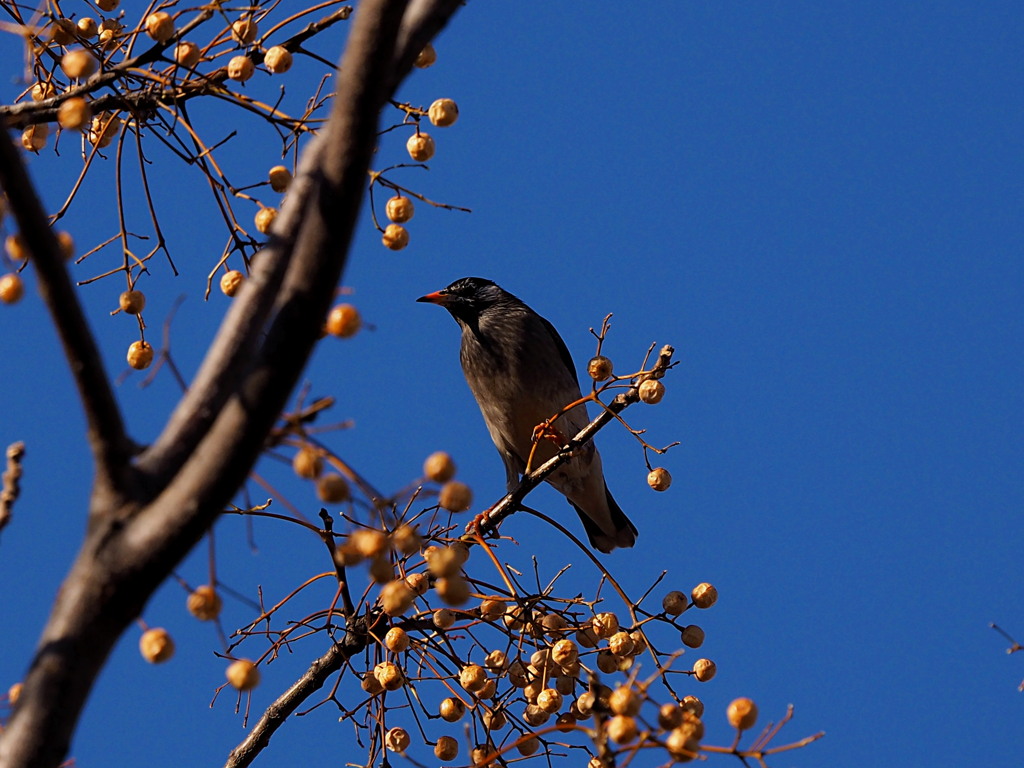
(548, 431)
(478, 524)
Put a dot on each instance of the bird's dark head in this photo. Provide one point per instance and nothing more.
(467, 298)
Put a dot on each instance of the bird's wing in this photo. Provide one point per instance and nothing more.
(563, 350)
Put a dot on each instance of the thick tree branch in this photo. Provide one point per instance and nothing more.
(108, 440)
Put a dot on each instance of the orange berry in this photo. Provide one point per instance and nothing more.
(426, 57)
(231, 281)
(132, 302)
(156, 645)
(204, 603)
(651, 391)
(280, 178)
(704, 595)
(11, 288)
(244, 31)
(140, 355)
(344, 321)
(186, 54)
(659, 479)
(78, 63)
(74, 114)
(243, 675)
(265, 219)
(439, 467)
(399, 209)
(443, 112)
(395, 237)
(308, 463)
(455, 496)
(420, 147)
(741, 714)
(704, 669)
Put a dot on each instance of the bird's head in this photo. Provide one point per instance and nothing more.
(467, 298)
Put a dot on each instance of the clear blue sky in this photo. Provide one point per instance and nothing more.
(818, 204)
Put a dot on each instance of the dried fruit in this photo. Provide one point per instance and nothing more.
(605, 625)
(63, 31)
(621, 729)
(399, 209)
(704, 669)
(741, 714)
(280, 178)
(87, 27)
(34, 137)
(550, 700)
(344, 321)
(160, 26)
(41, 91)
(397, 739)
(455, 496)
(452, 709)
(204, 603)
(439, 467)
(406, 539)
(78, 63)
(74, 114)
(446, 748)
(140, 355)
(443, 618)
(426, 57)
(396, 639)
(669, 716)
(103, 129)
(621, 643)
(496, 660)
(651, 391)
(186, 54)
(240, 68)
(389, 675)
(681, 745)
(370, 684)
(674, 603)
(156, 645)
(396, 597)
(704, 595)
(692, 636)
(107, 5)
(454, 590)
(529, 746)
(395, 237)
(14, 693)
(132, 302)
(66, 243)
(11, 288)
(243, 675)
(265, 219)
(231, 281)
(443, 112)
(693, 705)
(420, 146)
(308, 463)
(599, 368)
(278, 59)
(659, 479)
(332, 488)
(564, 652)
(244, 31)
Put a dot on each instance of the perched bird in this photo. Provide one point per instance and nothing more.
(521, 374)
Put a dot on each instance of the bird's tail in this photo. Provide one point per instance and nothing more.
(624, 533)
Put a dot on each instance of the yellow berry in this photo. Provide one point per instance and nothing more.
(426, 57)
(132, 302)
(741, 714)
(443, 112)
(395, 237)
(34, 137)
(439, 467)
(78, 63)
(308, 463)
(231, 281)
(140, 355)
(74, 114)
(420, 147)
(446, 748)
(244, 31)
(240, 68)
(659, 479)
(243, 675)
(16, 248)
(265, 219)
(332, 488)
(704, 595)
(160, 26)
(280, 178)
(11, 288)
(344, 321)
(621, 643)
(704, 669)
(186, 54)
(278, 59)
(156, 645)
(399, 209)
(455, 496)
(651, 391)
(396, 597)
(204, 603)
(452, 709)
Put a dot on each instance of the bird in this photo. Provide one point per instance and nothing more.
(521, 374)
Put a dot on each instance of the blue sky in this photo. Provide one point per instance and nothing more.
(818, 204)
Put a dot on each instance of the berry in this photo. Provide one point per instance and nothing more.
(599, 368)
(674, 603)
(280, 178)
(74, 114)
(446, 748)
(426, 57)
(244, 31)
(78, 63)
(704, 669)
(455, 496)
(692, 636)
(399, 209)
(443, 112)
(659, 479)
(240, 68)
(344, 321)
(140, 355)
(132, 302)
(278, 60)
(452, 709)
(156, 645)
(420, 146)
(11, 288)
(651, 391)
(308, 463)
(395, 237)
(160, 26)
(397, 639)
(396, 597)
(243, 675)
(186, 54)
(204, 603)
(332, 489)
(265, 219)
(741, 714)
(439, 467)
(704, 595)
(34, 137)
(231, 281)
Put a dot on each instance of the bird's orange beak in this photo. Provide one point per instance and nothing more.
(437, 297)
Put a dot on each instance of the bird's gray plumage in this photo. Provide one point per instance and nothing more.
(521, 374)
